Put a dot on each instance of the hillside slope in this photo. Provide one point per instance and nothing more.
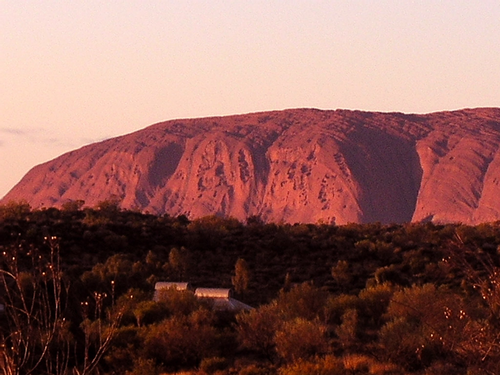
(301, 165)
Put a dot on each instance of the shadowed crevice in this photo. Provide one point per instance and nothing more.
(164, 165)
(387, 169)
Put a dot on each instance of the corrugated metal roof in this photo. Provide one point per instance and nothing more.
(172, 284)
(163, 285)
(213, 293)
(221, 298)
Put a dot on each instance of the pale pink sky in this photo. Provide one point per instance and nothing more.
(74, 72)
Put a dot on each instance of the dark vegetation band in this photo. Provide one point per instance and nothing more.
(77, 285)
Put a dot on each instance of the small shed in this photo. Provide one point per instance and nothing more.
(162, 285)
(213, 293)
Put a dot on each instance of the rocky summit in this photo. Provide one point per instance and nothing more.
(299, 165)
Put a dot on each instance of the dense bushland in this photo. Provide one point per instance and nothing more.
(77, 286)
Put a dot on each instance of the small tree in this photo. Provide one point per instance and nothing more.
(182, 341)
(302, 301)
(73, 205)
(14, 210)
(347, 331)
(35, 336)
(178, 261)
(241, 276)
(287, 285)
(33, 294)
(340, 273)
(99, 328)
(301, 339)
(256, 329)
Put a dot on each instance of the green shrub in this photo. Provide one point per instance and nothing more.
(301, 339)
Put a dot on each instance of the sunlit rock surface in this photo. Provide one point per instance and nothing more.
(301, 165)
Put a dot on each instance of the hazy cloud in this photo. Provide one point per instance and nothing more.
(12, 131)
(44, 137)
(34, 135)
(38, 136)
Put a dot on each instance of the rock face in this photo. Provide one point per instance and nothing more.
(301, 165)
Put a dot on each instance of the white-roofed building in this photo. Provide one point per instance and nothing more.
(213, 293)
(165, 285)
(220, 298)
